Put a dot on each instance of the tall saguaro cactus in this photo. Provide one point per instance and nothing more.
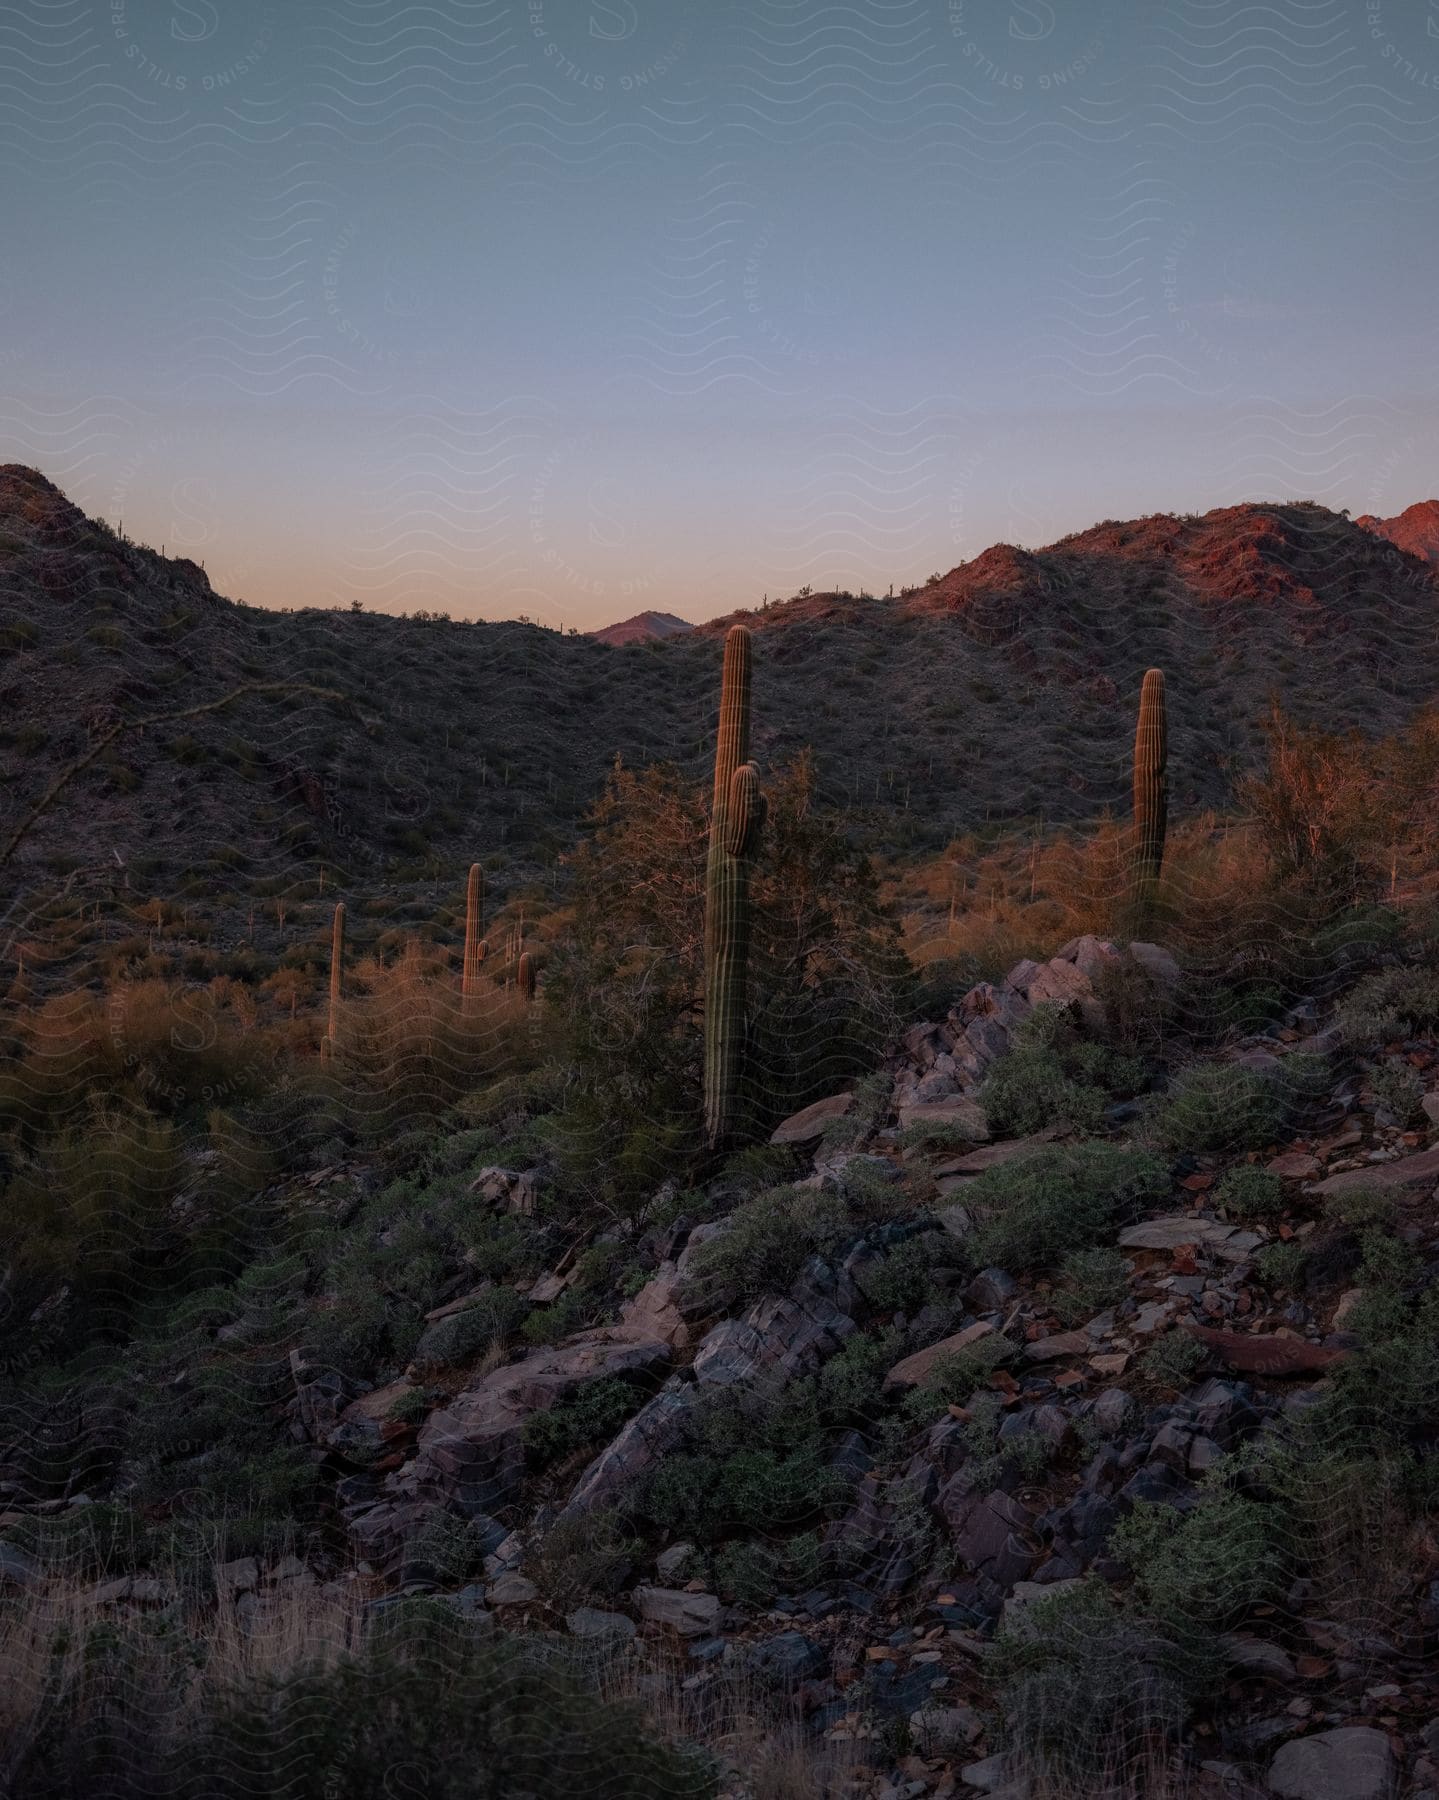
(475, 946)
(1151, 785)
(337, 979)
(525, 976)
(736, 819)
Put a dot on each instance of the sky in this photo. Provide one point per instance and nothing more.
(571, 309)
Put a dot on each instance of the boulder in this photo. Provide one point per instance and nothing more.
(1266, 1353)
(659, 1427)
(1402, 1174)
(1174, 1229)
(691, 1615)
(471, 1451)
(780, 1336)
(910, 1371)
(805, 1126)
(607, 1627)
(953, 1114)
(515, 1190)
(1354, 1762)
(989, 1531)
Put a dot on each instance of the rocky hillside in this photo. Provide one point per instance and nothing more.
(1004, 689)
(1415, 530)
(1055, 1408)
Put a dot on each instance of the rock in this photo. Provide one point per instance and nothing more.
(989, 1156)
(242, 1576)
(943, 1731)
(364, 1431)
(789, 1658)
(655, 1311)
(1404, 1173)
(1170, 1232)
(1294, 1165)
(1259, 1353)
(471, 1451)
(1157, 962)
(670, 1563)
(656, 1429)
(507, 1187)
(589, 1622)
(991, 1290)
(1026, 1592)
(987, 1531)
(912, 1370)
(1061, 1344)
(989, 1775)
(512, 1590)
(691, 1615)
(955, 1114)
(1260, 1657)
(808, 1124)
(1430, 1103)
(778, 1338)
(17, 1569)
(1354, 1762)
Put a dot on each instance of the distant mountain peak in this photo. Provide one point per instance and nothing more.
(643, 628)
(1416, 530)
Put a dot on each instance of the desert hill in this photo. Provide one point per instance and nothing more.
(643, 628)
(1005, 688)
(1416, 530)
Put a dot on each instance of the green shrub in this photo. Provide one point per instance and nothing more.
(1173, 1360)
(1389, 1004)
(593, 1416)
(1093, 1280)
(1249, 1192)
(954, 1378)
(424, 1699)
(493, 1319)
(1216, 1106)
(1396, 1089)
(1081, 1679)
(582, 1561)
(1039, 1207)
(1281, 1266)
(768, 1240)
(1205, 1569)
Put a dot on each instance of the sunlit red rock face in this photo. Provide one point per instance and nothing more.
(1416, 529)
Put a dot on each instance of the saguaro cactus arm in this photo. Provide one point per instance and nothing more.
(337, 979)
(475, 945)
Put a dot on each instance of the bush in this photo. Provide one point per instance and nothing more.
(1216, 1106)
(1173, 1360)
(1396, 1089)
(1204, 1569)
(493, 1319)
(582, 1561)
(1248, 1192)
(1281, 1266)
(768, 1240)
(1051, 1076)
(1093, 1280)
(1390, 1004)
(1039, 1207)
(593, 1416)
(1082, 1679)
(423, 1699)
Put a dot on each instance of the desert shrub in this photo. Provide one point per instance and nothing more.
(1361, 1206)
(911, 1275)
(494, 1318)
(1173, 1360)
(752, 1573)
(757, 1461)
(848, 1386)
(593, 1416)
(955, 1377)
(1037, 1208)
(767, 1241)
(582, 1561)
(1093, 1280)
(1137, 1007)
(1281, 1266)
(422, 1692)
(1206, 1568)
(1396, 1089)
(1249, 1192)
(1081, 1679)
(1048, 1077)
(446, 1549)
(1390, 1003)
(1216, 1106)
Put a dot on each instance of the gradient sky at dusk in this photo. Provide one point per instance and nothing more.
(574, 309)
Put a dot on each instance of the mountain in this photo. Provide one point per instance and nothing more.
(643, 628)
(1416, 530)
(401, 749)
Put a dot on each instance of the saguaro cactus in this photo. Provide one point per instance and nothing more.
(475, 945)
(1151, 784)
(736, 819)
(337, 980)
(525, 975)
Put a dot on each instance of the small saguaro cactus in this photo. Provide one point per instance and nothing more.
(525, 975)
(475, 945)
(736, 820)
(337, 968)
(1151, 784)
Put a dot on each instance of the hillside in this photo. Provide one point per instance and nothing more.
(1415, 530)
(1006, 688)
(643, 628)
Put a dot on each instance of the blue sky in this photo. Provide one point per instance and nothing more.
(575, 309)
